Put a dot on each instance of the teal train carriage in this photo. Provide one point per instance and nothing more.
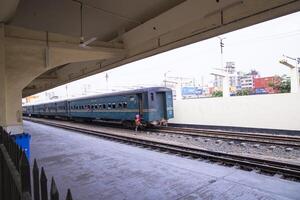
(154, 105)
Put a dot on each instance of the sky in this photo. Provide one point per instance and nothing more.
(259, 47)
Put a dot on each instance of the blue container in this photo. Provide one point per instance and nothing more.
(23, 140)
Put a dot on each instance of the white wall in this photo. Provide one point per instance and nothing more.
(274, 111)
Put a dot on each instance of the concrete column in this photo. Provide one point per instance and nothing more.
(10, 95)
(2, 76)
(226, 92)
(295, 88)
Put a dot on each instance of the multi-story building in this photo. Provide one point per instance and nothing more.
(230, 69)
(218, 82)
(267, 84)
(246, 80)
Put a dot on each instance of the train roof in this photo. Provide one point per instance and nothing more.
(162, 89)
(124, 92)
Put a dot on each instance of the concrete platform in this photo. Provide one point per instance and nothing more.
(99, 169)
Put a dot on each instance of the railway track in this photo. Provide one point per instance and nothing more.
(290, 141)
(286, 170)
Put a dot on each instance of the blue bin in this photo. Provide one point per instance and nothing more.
(23, 140)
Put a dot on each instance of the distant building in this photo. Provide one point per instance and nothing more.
(245, 81)
(218, 82)
(266, 84)
(230, 69)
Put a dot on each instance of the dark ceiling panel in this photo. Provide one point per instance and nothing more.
(101, 18)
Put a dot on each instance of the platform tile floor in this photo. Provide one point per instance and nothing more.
(95, 168)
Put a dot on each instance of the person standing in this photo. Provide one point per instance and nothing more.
(137, 122)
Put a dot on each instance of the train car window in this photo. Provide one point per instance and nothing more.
(100, 106)
(92, 107)
(120, 105)
(113, 105)
(104, 106)
(131, 98)
(152, 96)
(124, 105)
(109, 106)
(96, 106)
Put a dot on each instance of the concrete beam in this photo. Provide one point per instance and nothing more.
(194, 19)
(61, 52)
(35, 52)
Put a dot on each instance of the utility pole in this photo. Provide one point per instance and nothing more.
(106, 78)
(221, 47)
(67, 90)
(165, 77)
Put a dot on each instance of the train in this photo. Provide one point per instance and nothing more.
(154, 105)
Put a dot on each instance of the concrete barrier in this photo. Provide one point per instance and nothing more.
(273, 111)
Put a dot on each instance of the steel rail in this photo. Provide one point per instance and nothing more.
(287, 170)
(238, 136)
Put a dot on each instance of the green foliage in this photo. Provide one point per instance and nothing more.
(283, 86)
(243, 92)
(217, 94)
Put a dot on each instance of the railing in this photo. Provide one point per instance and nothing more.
(15, 178)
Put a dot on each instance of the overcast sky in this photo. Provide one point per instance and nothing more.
(257, 47)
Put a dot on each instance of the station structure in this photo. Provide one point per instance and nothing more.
(44, 44)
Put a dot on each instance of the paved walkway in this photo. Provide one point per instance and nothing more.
(99, 169)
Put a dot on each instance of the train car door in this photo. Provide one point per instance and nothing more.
(140, 103)
(55, 110)
(160, 104)
(68, 108)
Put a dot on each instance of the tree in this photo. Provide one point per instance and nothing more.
(243, 92)
(283, 85)
(217, 94)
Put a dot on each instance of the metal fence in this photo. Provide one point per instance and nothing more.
(15, 177)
